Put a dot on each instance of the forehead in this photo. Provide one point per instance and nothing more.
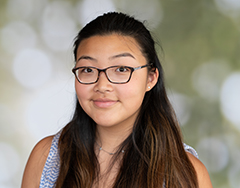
(108, 44)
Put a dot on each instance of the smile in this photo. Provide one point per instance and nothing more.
(104, 103)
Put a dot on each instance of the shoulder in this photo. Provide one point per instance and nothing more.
(202, 173)
(36, 162)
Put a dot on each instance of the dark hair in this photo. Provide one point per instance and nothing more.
(154, 153)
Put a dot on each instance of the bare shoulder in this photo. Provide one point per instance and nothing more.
(36, 162)
(202, 173)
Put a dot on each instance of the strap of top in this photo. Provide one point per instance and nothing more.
(190, 150)
(52, 165)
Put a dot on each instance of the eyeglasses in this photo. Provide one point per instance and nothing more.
(115, 74)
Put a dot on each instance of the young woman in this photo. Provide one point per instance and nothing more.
(124, 132)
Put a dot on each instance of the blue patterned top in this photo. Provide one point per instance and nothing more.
(52, 165)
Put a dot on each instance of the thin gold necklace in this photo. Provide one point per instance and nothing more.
(110, 153)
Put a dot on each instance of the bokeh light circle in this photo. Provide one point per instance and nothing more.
(213, 153)
(234, 174)
(27, 10)
(144, 10)
(32, 68)
(230, 99)
(4, 185)
(50, 110)
(229, 7)
(182, 107)
(20, 8)
(6, 119)
(58, 26)
(16, 36)
(9, 162)
(208, 77)
(88, 10)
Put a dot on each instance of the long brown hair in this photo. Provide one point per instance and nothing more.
(154, 153)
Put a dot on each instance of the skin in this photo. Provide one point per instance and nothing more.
(107, 104)
(35, 164)
(114, 107)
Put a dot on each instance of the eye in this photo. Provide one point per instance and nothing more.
(122, 69)
(86, 70)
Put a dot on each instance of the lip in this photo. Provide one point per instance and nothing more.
(104, 103)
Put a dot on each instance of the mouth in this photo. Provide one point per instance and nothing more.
(104, 103)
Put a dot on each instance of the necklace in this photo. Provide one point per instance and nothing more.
(110, 153)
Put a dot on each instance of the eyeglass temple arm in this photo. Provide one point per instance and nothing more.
(142, 66)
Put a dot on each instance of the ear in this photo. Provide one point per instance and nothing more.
(152, 79)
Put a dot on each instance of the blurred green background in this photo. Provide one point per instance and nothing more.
(201, 59)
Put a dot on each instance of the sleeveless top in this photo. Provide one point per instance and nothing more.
(51, 169)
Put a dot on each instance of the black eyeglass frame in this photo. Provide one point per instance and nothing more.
(104, 70)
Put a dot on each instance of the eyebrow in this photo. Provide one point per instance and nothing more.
(122, 55)
(86, 57)
(112, 57)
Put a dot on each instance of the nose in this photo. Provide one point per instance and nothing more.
(103, 84)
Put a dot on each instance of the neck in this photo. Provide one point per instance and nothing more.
(109, 138)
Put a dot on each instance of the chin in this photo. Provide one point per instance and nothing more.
(104, 121)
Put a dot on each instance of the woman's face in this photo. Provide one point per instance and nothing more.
(113, 105)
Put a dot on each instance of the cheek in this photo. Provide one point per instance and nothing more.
(138, 85)
(82, 92)
(134, 91)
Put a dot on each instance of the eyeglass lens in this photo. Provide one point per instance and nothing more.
(118, 74)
